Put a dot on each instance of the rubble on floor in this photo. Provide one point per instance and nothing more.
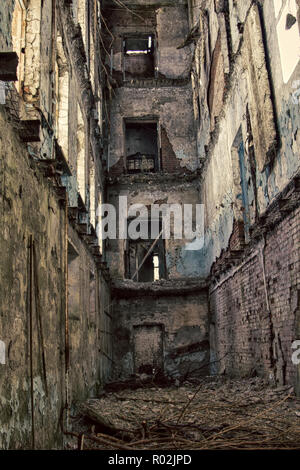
(216, 413)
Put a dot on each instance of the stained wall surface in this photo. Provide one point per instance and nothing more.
(55, 314)
(246, 101)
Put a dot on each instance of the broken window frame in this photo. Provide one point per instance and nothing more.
(157, 251)
(152, 50)
(156, 158)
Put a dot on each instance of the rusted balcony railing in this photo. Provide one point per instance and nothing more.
(139, 163)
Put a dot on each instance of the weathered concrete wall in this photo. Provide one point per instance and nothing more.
(69, 288)
(89, 334)
(172, 29)
(29, 207)
(184, 328)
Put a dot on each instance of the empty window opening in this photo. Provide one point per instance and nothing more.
(156, 267)
(141, 142)
(145, 259)
(138, 46)
(139, 57)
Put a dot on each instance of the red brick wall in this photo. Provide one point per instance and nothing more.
(117, 169)
(170, 163)
(260, 339)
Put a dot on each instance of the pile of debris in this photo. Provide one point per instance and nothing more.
(214, 414)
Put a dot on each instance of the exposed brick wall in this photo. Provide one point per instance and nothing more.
(117, 169)
(237, 239)
(217, 83)
(170, 163)
(259, 339)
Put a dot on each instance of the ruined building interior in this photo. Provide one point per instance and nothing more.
(164, 102)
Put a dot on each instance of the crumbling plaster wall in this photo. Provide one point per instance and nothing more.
(89, 339)
(85, 92)
(219, 191)
(37, 53)
(179, 261)
(220, 187)
(29, 206)
(184, 321)
(254, 301)
(169, 24)
(172, 29)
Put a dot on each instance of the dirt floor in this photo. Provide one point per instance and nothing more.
(215, 413)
